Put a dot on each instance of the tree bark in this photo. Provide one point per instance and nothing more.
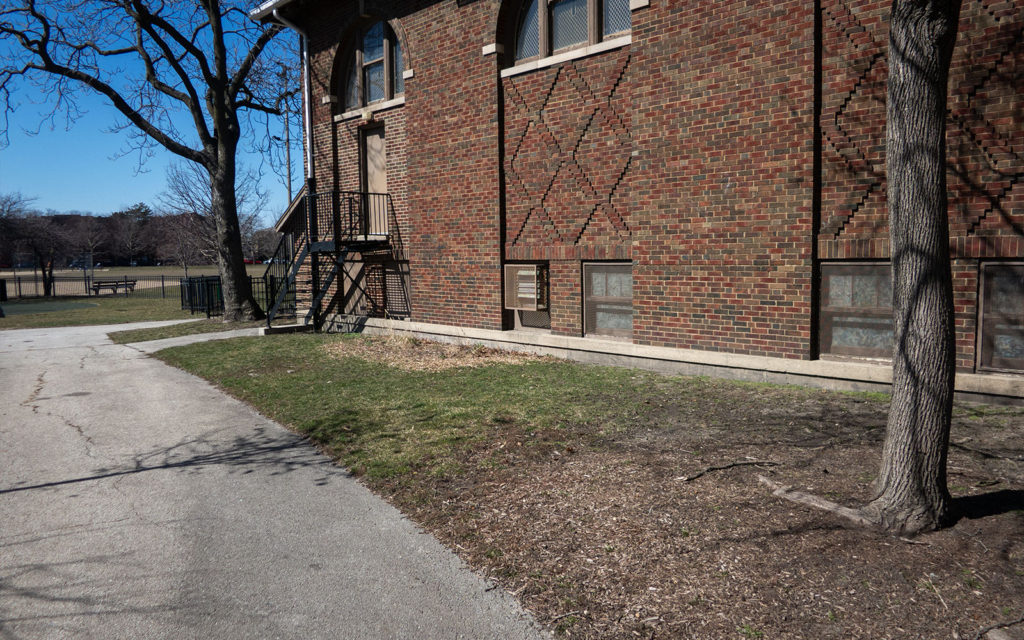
(239, 303)
(911, 487)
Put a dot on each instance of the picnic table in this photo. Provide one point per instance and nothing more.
(124, 283)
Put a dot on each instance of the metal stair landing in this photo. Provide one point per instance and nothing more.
(356, 222)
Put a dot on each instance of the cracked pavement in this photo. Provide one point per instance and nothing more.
(137, 501)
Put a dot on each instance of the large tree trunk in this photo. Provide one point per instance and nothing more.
(912, 494)
(239, 303)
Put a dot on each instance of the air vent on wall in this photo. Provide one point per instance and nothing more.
(526, 287)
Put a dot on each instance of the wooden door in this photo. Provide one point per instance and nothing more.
(375, 176)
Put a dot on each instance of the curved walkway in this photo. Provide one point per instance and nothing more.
(137, 501)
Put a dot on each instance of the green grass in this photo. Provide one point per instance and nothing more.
(386, 422)
(206, 325)
(36, 313)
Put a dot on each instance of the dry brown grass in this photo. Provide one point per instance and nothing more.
(412, 354)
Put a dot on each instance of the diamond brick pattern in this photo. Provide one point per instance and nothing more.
(984, 142)
(985, 131)
(568, 154)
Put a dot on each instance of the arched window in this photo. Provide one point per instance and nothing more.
(547, 27)
(375, 68)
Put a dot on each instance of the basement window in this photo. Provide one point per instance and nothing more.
(608, 299)
(1002, 317)
(856, 310)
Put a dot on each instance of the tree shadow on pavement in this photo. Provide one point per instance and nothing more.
(40, 595)
(268, 450)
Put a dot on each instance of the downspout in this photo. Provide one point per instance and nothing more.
(307, 117)
(307, 108)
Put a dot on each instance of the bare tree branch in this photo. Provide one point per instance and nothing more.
(154, 61)
(242, 74)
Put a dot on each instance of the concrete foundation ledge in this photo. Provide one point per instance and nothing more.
(286, 328)
(841, 375)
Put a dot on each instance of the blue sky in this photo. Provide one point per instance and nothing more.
(84, 168)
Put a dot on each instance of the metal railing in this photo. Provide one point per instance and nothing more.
(148, 286)
(350, 216)
(202, 294)
(280, 277)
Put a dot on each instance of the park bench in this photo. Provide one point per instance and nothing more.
(113, 285)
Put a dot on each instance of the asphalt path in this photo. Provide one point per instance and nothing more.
(137, 501)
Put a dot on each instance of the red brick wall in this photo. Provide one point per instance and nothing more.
(567, 171)
(454, 237)
(723, 122)
(568, 154)
(985, 139)
(690, 152)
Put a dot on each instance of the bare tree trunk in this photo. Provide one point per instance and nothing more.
(48, 278)
(911, 486)
(239, 303)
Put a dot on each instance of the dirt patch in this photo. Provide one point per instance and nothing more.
(412, 354)
(601, 537)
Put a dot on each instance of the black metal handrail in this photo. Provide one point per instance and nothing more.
(351, 216)
(281, 274)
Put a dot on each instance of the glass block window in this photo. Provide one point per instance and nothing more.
(1002, 316)
(375, 68)
(856, 310)
(608, 299)
(546, 27)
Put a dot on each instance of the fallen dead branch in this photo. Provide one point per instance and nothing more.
(999, 625)
(931, 584)
(809, 500)
(985, 454)
(741, 463)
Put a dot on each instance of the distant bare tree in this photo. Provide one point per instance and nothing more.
(159, 64)
(88, 234)
(12, 207)
(264, 242)
(175, 239)
(188, 192)
(128, 229)
(39, 234)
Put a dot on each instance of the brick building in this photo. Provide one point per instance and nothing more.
(648, 176)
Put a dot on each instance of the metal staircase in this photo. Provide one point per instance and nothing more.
(338, 224)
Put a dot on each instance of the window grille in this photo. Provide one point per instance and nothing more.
(856, 310)
(546, 27)
(608, 299)
(375, 68)
(1002, 316)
